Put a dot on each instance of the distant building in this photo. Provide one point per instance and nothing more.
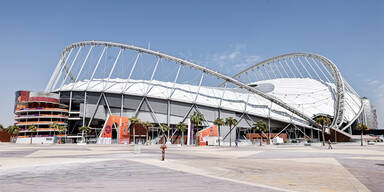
(41, 110)
(369, 116)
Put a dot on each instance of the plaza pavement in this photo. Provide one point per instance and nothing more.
(348, 167)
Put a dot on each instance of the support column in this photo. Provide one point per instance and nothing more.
(84, 113)
(269, 124)
(219, 128)
(122, 105)
(189, 132)
(168, 117)
(84, 107)
(312, 134)
(70, 102)
(318, 135)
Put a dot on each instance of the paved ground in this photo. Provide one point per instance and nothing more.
(348, 167)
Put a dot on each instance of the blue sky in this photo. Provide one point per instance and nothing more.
(350, 33)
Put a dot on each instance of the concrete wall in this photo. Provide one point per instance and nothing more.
(37, 140)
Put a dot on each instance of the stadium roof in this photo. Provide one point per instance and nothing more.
(310, 96)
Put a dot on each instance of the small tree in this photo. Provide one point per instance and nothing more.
(219, 122)
(197, 119)
(362, 127)
(261, 127)
(84, 131)
(13, 130)
(230, 122)
(55, 127)
(147, 125)
(134, 121)
(164, 128)
(62, 129)
(181, 126)
(1, 128)
(323, 121)
(32, 129)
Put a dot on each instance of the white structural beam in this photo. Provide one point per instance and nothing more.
(174, 82)
(50, 82)
(97, 65)
(297, 69)
(84, 62)
(114, 64)
(318, 76)
(309, 74)
(65, 59)
(70, 68)
(282, 66)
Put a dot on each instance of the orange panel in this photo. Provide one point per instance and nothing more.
(123, 130)
(123, 124)
(207, 132)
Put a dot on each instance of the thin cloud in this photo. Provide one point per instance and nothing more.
(231, 61)
(234, 54)
(373, 82)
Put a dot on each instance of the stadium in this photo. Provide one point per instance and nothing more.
(103, 85)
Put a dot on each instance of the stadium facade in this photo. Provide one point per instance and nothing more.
(103, 85)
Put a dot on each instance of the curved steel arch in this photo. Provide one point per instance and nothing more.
(226, 78)
(340, 98)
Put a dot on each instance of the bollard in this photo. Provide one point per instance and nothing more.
(163, 147)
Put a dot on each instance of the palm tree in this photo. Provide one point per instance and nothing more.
(230, 122)
(362, 127)
(164, 128)
(261, 127)
(197, 119)
(181, 126)
(134, 122)
(54, 126)
(219, 122)
(147, 125)
(84, 131)
(62, 129)
(13, 130)
(32, 129)
(323, 121)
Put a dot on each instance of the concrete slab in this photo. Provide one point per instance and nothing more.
(348, 167)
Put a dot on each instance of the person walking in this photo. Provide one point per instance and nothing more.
(236, 143)
(329, 144)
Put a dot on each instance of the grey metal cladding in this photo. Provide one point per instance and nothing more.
(100, 113)
(64, 97)
(131, 102)
(224, 114)
(77, 96)
(179, 108)
(92, 98)
(114, 100)
(158, 105)
(145, 107)
(242, 122)
(115, 111)
(210, 114)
